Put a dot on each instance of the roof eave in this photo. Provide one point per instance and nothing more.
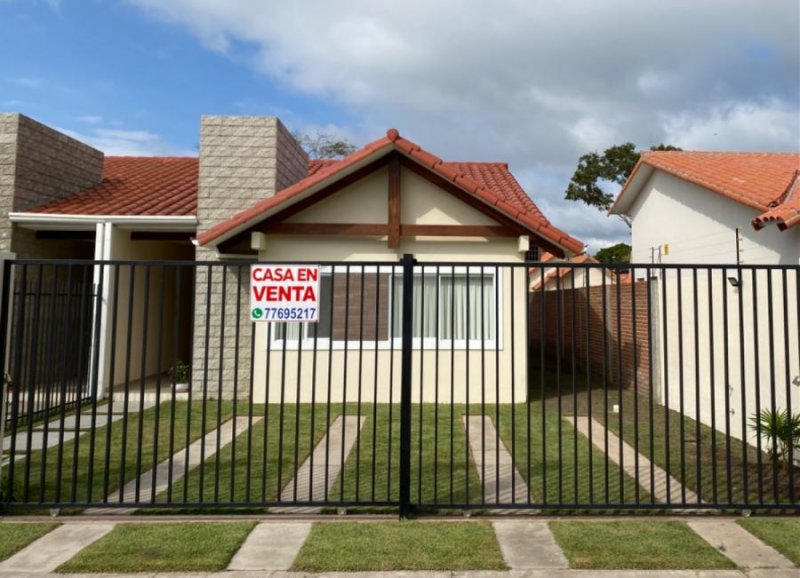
(64, 222)
(631, 189)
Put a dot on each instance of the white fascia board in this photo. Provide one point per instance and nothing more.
(47, 221)
(627, 197)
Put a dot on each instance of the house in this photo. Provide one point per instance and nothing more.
(253, 195)
(701, 207)
(725, 332)
(556, 278)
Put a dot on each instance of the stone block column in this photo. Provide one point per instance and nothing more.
(243, 160)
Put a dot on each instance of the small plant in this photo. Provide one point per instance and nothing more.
(180, 373)
(782, 427)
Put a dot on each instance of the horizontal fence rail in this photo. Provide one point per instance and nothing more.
(422, 386)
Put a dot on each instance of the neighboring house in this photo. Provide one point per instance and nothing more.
(253, 194)
(566, 278)
(689, 207)
(719, 330)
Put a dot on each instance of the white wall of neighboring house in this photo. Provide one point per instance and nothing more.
(694, 359)
(474, 374)
(576, 278)
(700, 227)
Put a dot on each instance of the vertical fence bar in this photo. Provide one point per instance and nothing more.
(405, 385)
(4, 339)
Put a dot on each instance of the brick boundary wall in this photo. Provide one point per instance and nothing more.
(609, 333)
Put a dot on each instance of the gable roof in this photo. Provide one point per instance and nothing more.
(490, 183)
(558, 272)
(762, 181)
(135, 186)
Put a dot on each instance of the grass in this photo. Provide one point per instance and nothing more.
(780, 534)
(642, 545)
(259, 462)
(396, 546)
(76, 471)
(15, 536)
(372, 471)
(167, 547)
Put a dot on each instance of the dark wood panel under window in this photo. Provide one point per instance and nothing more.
(347, 306)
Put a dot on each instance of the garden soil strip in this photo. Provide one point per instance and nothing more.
(333, 442)
(178, 462)
(529, 545)
(629, 459)
(53, 549)
(271, 547)
(746, 550)
(502, 484)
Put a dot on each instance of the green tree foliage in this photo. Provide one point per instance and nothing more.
(324, 146)
(619, 253)
(613, 166)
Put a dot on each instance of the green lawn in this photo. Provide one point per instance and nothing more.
(397, 546)
(82, 471)
(162, 547)
(372, 470)
(14, 536)
(783, 535)
(561, 465)
(643, 545)
(248, 469)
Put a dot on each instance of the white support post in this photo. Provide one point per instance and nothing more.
(102, 252)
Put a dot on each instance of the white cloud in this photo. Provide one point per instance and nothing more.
(90, 119)
(772, 125)
(534, 83)
(118, 142)
(27, 82)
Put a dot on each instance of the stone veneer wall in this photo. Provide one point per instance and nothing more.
(242, 161)
(39, 164)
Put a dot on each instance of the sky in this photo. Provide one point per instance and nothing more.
(529, 82)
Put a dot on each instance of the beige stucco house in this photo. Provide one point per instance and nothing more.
(253, 195)
(719, 210)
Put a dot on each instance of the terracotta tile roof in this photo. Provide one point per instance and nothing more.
(758, 180)
(557, 272)
(489, 182)
(787, 212)
(136, 186)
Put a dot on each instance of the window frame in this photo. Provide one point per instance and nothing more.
(306, 342)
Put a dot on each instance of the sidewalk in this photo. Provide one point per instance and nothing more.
(527, 545)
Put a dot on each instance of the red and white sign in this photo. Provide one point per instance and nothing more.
(286, 293)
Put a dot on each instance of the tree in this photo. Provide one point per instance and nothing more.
(619, 253)
(613, 166)
(324, 146)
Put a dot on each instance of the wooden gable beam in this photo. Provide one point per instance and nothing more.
(305, 203)
(394, 202)
(479, 205)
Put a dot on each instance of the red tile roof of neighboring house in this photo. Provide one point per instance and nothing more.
(136, 186)
(785, 213)
(489, 182)
(559, 272)
(762, 181)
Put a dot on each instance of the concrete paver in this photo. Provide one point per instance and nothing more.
(53, 549)
(527, 545)
(271, 547)
(502, 483)
(739, 545)
(650, 476)
(310, 481)
(177, 465)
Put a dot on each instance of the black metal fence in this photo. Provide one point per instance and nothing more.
(481, 386)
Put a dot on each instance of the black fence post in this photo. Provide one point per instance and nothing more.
(405, 385)
(4, 303)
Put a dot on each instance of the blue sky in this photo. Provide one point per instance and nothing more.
(533, 83)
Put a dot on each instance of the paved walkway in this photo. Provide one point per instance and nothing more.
(528, 548)
(651, 477)
(502, 483)
(145, 489)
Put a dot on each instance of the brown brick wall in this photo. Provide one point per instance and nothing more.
(603, 335)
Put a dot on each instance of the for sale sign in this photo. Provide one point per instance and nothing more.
(288, 293)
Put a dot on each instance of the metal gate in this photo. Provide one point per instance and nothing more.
(424, 386)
